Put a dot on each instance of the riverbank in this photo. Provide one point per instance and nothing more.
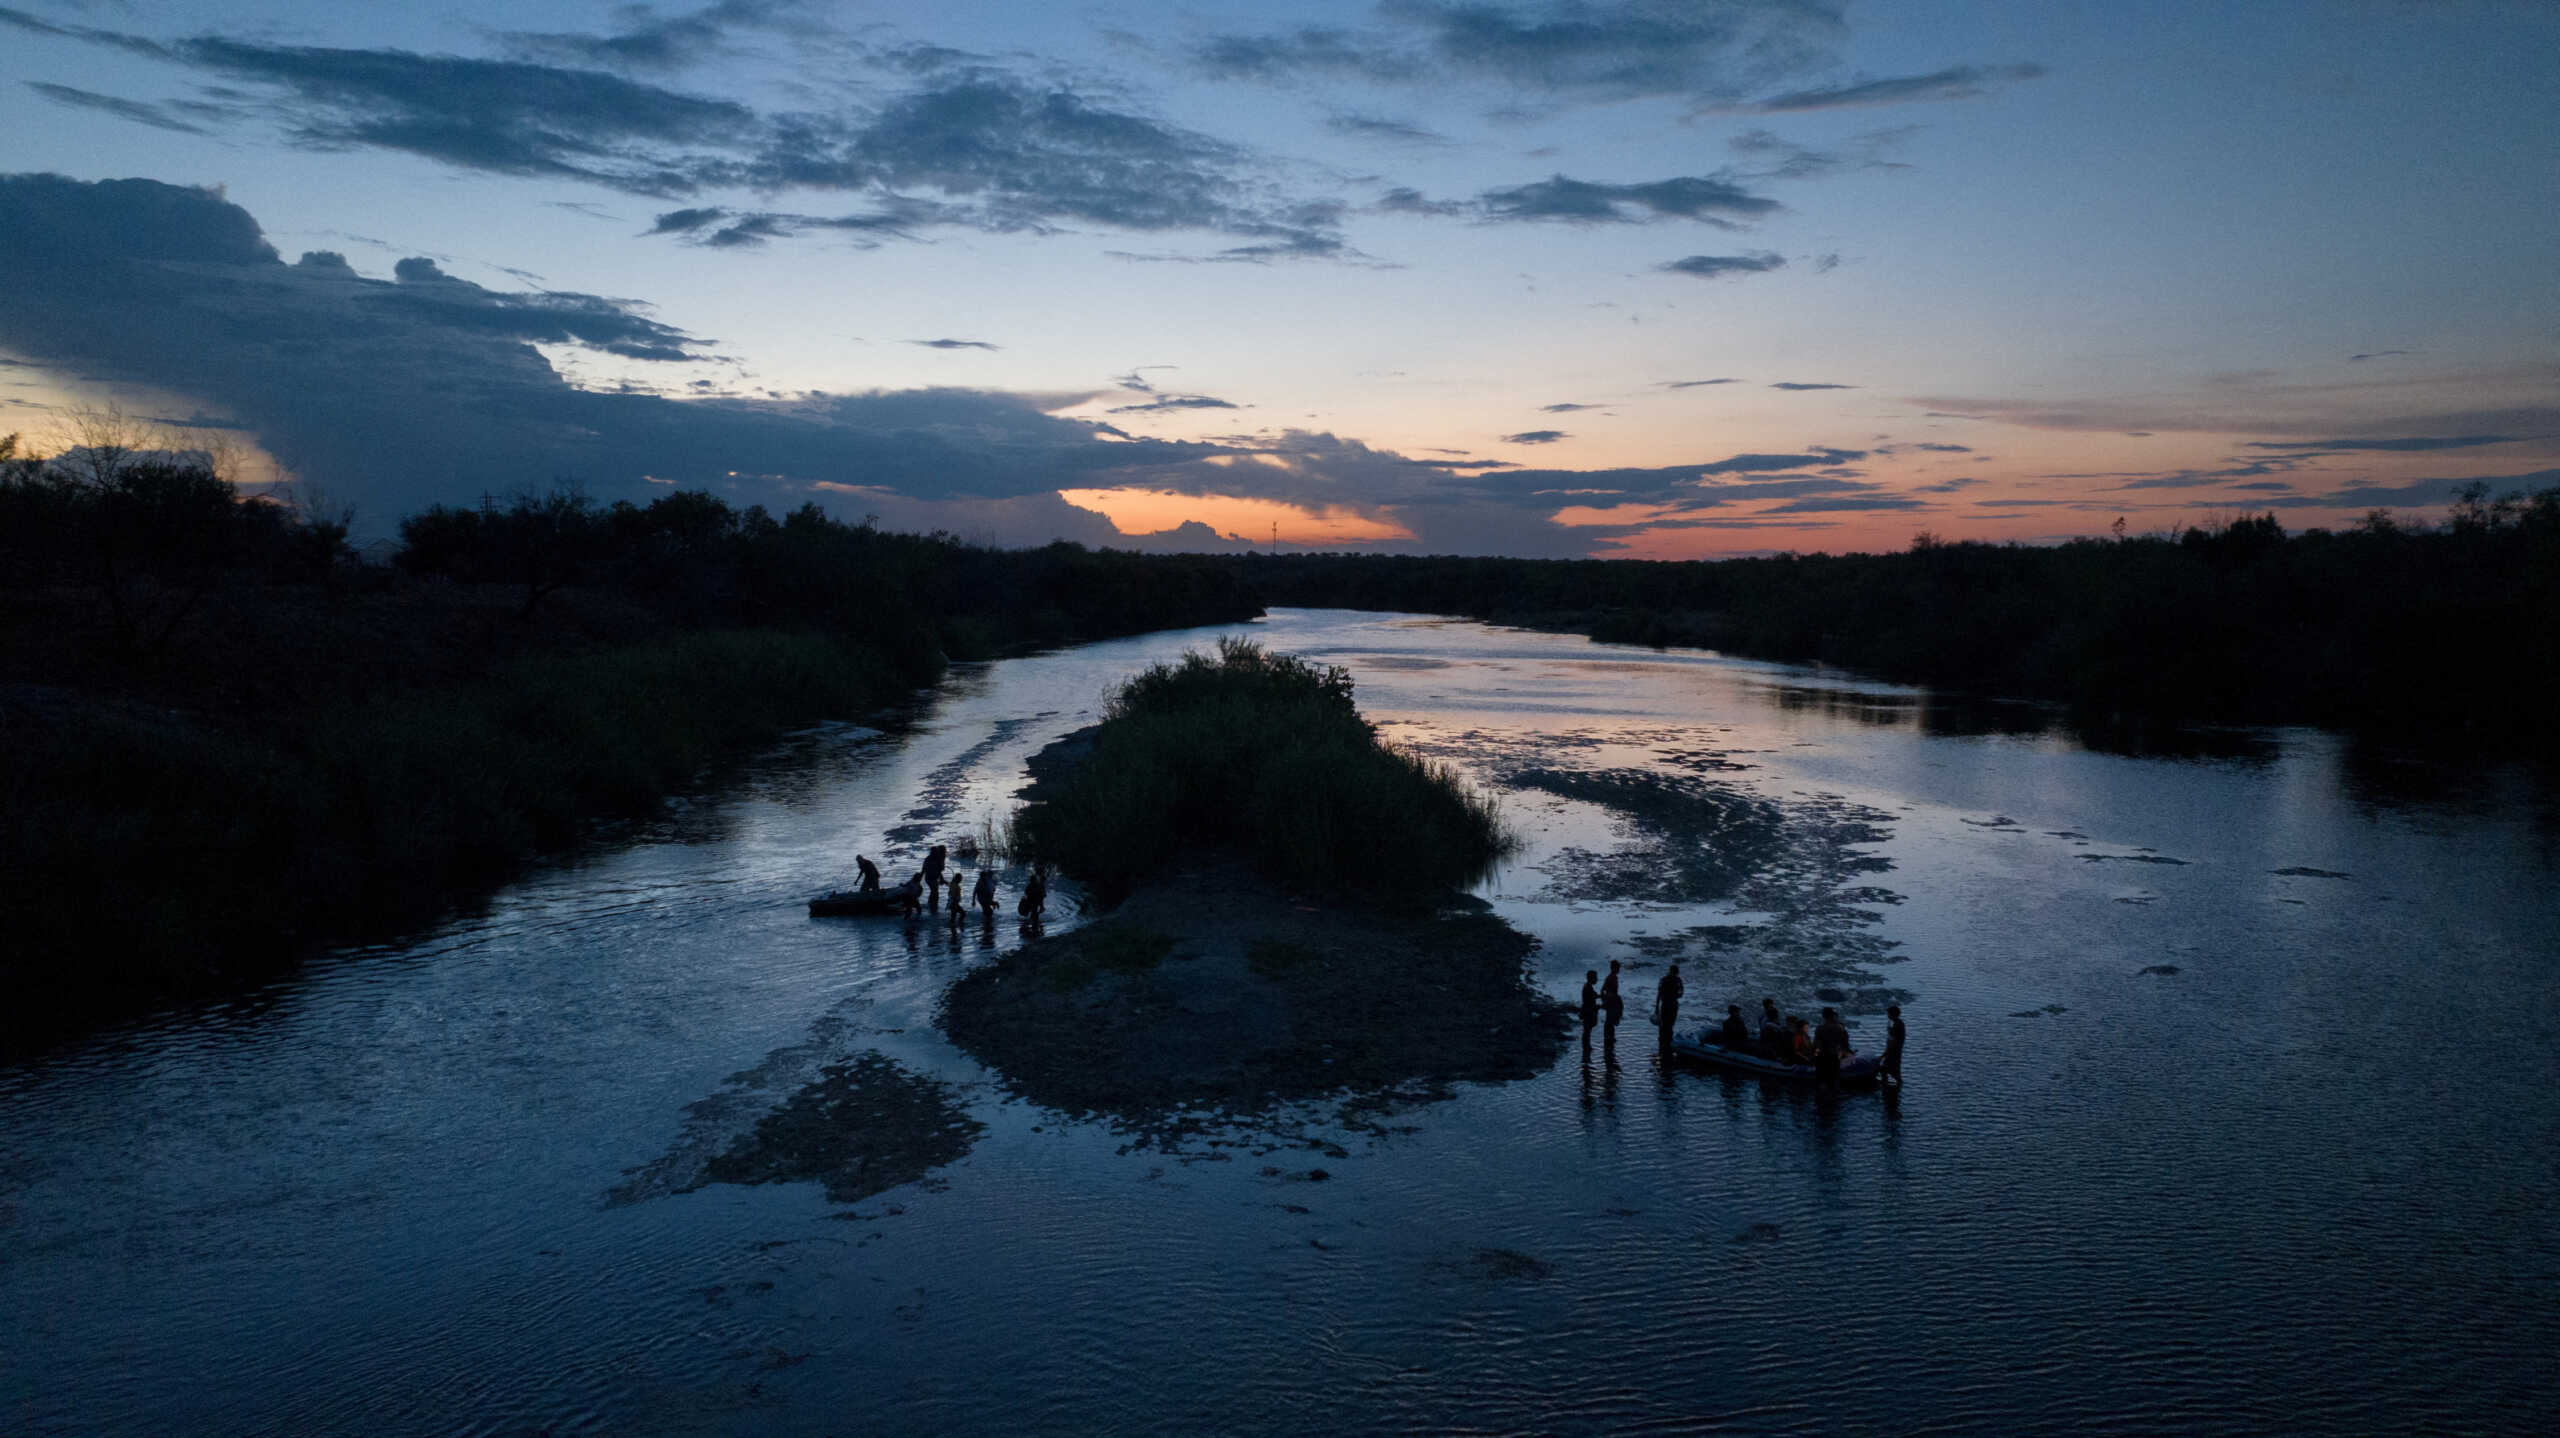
(287, 757)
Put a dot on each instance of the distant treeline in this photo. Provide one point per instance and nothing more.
(224, 740)
(2431, 633)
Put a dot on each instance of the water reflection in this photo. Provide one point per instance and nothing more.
(369, 1198)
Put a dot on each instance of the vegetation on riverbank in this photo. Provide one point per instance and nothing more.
(224, 740)
(1264, 754)
(2425, 633)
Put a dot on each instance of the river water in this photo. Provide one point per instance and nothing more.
(2231, 1108)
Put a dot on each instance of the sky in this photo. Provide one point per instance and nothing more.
(1527, 277)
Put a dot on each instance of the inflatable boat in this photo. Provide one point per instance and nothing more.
(1703, 1046)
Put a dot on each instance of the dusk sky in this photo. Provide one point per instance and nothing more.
(1653, 279)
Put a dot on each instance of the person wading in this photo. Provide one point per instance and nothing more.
(1830, 1046)
(933, 862)
(1666, 1003)
(987, 891)
(1889, 1069)
(1609, 997)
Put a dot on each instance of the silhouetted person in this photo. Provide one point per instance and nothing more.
(933, 861)
(870, 873)
(1799, 1041)
(955, 895)
(1830, 1046)
(911, 895)
(1773, 1030)
(1609, 998)
(987, 891)
(1666, 1002)
(1590, 1001)
(1889, 1069)
(1735, 1034)
(1035, 895)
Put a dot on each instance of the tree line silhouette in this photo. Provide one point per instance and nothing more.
(2428, 633)
(224, 739)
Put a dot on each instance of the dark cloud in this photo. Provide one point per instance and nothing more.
(1832, 503)
(1945, 448)
(1708, 267)
(993, 150)
(1566, 49)
(1535, 436)
(1565, 408)
(1172, 402)
(650, 41)
(398, 393)
(134, 110)
(1956, 82)
(1405, 200)
(1694, 383)
(2380, 354)
(947, 344)
(2396, 446)
(2366, 495)
(1772, 158)
(1584, 202)
(1796, 384)
(1374, 127)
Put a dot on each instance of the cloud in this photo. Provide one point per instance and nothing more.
(2397, 446)
(2379, 354)
(1797, 384)
(947, 344)
(1583, 202)
(1570, 50)
(134, 110)
(991, 150)
(1565, 408)
(398, 393)
(1708, 267)
(1773, 158)
(1374, 127)
(2443, 490)
(1172, 402)
(1694, 383)
(1956, 82)
(1536, 436)
(649, 41)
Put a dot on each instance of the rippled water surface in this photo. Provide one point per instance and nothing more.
(2231, 1108)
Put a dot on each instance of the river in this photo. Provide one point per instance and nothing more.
(2230, 1108)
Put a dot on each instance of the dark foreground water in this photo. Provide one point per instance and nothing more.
(2232, 1108)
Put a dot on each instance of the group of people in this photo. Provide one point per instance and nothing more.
(1600, 996)
(1784, 1037)
(923, 889)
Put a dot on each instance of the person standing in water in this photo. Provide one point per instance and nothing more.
(1035, 894)
(1590, 1001)
(987, 891)
(1830, 1046)
(933, 861)
(1666, 1003)
(1609, 998)
(1889, 1069)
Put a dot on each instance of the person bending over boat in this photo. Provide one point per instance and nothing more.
(1830, 1046)
(870, 873)
(911, 895)
(987, 891)
(1736, 1034)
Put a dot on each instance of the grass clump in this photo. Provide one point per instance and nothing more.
(1263, 754)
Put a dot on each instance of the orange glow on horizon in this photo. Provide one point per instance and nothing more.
(1148, 511)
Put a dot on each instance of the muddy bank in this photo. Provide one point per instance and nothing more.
(865, 1126)
(1213, 999)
